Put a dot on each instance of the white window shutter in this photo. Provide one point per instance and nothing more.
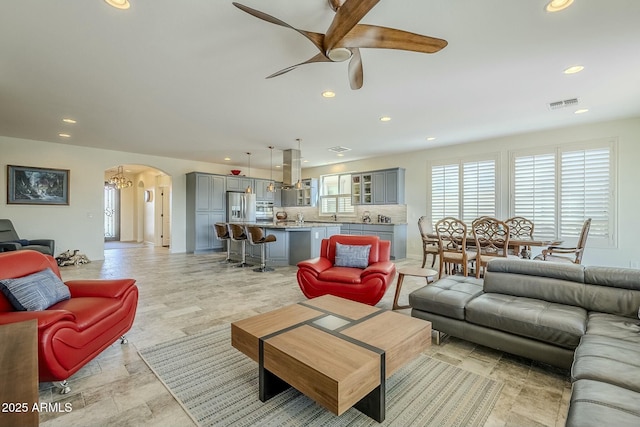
(535, 192)
(585, 192)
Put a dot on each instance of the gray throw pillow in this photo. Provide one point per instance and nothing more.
(352, 255)
(35, 292)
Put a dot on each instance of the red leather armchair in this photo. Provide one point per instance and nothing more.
(319, 276)
(72, 332)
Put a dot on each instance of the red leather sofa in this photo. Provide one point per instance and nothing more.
(71, 332)
(319, 276)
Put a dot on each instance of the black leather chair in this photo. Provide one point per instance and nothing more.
(10, 241)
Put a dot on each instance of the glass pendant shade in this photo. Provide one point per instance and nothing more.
(249, 190)
(271, 188)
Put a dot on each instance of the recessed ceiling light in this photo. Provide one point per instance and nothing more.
(69, 121)
(340, 155)
(64, 135)
(558, 5)
(328, 94)
(385, 119)
(574, 69)
(431, 138)
(305, 161)
(227, 158)
(119, 4)
(581, 111)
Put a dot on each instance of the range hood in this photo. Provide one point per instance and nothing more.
(291, 169)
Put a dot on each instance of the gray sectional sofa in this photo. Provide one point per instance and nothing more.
(570, 316)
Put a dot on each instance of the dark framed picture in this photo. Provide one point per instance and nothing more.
(37, 186)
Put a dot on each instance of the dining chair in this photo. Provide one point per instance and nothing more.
(519, 226)
(492, 240)
(452, 242)
(429, 242)
(552, 252)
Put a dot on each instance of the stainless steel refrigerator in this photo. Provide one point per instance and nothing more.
(241, 207)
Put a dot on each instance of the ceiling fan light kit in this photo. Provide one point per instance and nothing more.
(339, 54)
(558, 5)
(119, 4)
(346, 36)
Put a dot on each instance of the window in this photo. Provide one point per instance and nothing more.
(335, 194)
(560, 187)
(464, 189)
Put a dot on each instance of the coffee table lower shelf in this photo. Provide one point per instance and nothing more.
(337, 352)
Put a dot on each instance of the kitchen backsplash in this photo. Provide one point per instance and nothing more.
(397, 213)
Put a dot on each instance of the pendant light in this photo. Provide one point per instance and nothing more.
(298, 185)
(249, 189)
(271, 188)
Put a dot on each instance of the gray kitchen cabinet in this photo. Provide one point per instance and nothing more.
(262, 195)
(307, 196)
(239, 183)
(395, 233)
(288, 198)
(383, 187)
(205, 206)
(278, 251)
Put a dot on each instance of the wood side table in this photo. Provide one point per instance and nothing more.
(19, 373)
(411, 271)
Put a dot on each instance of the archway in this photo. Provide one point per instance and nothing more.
(143, 207)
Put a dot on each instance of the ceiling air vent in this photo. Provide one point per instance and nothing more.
(563, 104)
(339, 149)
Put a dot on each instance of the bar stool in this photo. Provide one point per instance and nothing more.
(237, 234)
(222, 234)
(256, 236)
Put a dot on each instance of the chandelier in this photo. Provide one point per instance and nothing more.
(119, 180)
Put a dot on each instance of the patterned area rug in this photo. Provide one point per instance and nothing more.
(218, 386)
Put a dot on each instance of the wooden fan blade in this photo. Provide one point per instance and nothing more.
(356, 77)
(318, 58)
(316, 38)
(373, 36)
(347, 16)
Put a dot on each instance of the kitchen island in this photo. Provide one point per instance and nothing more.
(295, 242)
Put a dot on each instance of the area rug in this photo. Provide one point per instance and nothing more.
(218, 386)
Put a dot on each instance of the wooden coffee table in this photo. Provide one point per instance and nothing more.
(337, 352)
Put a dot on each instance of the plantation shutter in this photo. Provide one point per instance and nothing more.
(586, 192)
(445, 184)
(479, 190)
(535, 192)
(336, 194)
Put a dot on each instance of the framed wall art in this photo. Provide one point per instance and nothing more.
(37, 186)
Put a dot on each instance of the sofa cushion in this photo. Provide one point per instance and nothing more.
(609, 360)
(613, 326)
(352, 255)
(36, 291)
(447, 297)
(559, 324)
(597, 404)
(348, 275)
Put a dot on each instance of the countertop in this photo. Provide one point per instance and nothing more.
(310, 224)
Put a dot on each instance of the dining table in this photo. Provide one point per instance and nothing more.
(516, 242)
(524, 242)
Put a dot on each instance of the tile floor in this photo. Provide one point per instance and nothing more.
(182, 294)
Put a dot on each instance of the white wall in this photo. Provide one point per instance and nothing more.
(627, 132)
(80, 225)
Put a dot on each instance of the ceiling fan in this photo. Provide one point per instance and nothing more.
(345, 37)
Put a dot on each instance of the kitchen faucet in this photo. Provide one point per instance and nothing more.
(335, 217)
